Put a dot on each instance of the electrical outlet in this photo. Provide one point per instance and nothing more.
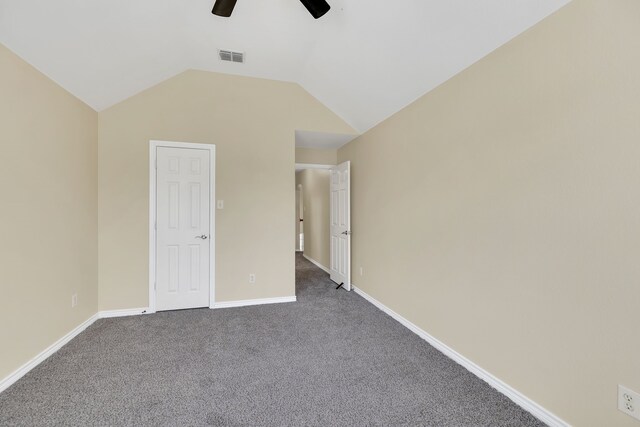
(629, 402)
(252, 278)
(220, 204)
(74, 300)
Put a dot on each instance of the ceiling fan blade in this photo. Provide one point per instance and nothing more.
(316, 8)
(223, 7)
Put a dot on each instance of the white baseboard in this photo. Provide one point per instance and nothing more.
(518, 398)
(24, 369)
(121, 313)
(317, 264)
(247, 302)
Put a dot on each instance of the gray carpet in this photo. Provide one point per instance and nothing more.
(331, 359)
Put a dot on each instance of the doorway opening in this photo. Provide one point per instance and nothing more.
(323, 233)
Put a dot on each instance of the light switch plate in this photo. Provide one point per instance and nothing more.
(220, 204)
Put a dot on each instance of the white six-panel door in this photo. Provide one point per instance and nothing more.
(182, 228)
(340, 206)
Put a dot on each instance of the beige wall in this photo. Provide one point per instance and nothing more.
(253, 123)
(315, 199)
(48, 218)
(500, 212)
(316, 156)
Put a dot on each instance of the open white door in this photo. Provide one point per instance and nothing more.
(340, 205)
(299, 247)
(183, 236)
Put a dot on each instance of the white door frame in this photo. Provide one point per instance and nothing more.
(153, 145)
(303, 166)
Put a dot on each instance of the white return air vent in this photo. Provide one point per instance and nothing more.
(228, 55)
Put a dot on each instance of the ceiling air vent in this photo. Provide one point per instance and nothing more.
(227, 55)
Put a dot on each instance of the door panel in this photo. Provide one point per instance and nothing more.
(298, 222)
(341, 225)
(182, 228)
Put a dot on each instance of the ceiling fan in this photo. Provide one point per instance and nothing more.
(316, 8)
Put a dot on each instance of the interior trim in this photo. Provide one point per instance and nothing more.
(518, 398)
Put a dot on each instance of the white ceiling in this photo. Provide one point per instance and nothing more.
(365, 59)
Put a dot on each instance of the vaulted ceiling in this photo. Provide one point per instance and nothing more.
(365, 59)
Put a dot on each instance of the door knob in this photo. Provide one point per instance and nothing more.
(203, 237)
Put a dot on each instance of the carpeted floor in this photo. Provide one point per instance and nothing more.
(330, 359)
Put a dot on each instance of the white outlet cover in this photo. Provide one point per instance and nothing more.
(629, 402)
(252, 278)
(220, 204)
